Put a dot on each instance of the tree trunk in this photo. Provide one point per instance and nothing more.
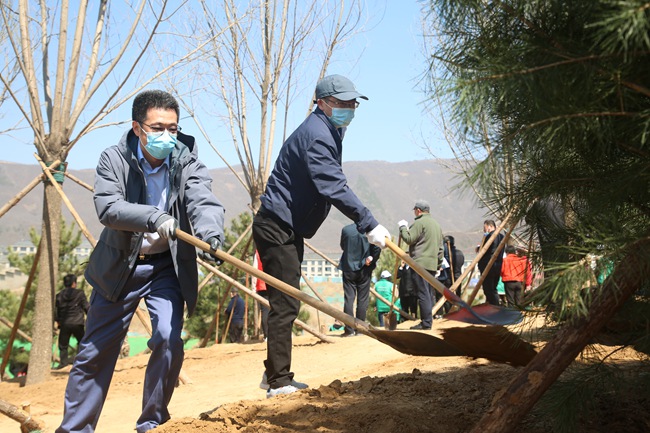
(40, 358)
(526, 389)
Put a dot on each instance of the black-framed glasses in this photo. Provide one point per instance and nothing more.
(342, 104)
(160, 130)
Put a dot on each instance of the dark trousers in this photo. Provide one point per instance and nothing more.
(265, 313)
(514, 290)
(425, 298)
(356, 284)
(235, 332)
(65, 332)
(490, 284)
(409, 304)
(281, 253)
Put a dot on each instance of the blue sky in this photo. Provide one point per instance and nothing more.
(385, 62)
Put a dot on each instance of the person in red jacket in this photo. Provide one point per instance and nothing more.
(515, 272)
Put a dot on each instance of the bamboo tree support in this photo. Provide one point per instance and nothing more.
(215, 319)
(518, 398)
(451, 262)
(208, 277)
(493, 259)
(75, 215)
(482, 250)
(21, 309)
(78, 181)
(395, 308)
(315, 293)
(27, 423)
(145, 321)
(22, 193)
(144, 318)
(263, 301)
(392, 319)
(311, 247)
(11, 325)
(227, 328)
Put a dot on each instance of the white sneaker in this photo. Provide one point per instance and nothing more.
(265, 385)
(287, 389)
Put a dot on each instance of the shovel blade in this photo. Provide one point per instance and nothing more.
(415, 343)
(495, 343)
(491, 314)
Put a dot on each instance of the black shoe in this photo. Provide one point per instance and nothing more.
(348, 334)
(420, 326)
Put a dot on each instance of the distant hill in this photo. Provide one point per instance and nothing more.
(388, 189)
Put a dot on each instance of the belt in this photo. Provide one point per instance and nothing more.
(148, 257)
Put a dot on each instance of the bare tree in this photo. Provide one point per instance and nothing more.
(268, 54)
(74, 66)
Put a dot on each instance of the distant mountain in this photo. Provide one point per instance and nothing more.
(388, 189)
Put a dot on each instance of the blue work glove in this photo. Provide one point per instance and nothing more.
(215, 244)
(166, 226)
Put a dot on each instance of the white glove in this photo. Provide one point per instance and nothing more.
(378, 236)
(402, 223)
(166, 226)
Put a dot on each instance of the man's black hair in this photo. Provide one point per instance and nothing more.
(451, 240)
(69, 280)
(490, 223)
(153, 99)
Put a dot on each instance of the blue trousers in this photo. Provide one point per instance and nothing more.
(107, 324)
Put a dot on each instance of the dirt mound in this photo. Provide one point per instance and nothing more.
(449, 401)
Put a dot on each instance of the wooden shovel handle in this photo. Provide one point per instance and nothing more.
(423, 273)
(278, 284)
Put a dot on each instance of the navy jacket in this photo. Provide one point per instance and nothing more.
(308, 179)
(356, 249)
(238, 314)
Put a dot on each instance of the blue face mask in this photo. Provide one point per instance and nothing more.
(341, 117)
(160, 145)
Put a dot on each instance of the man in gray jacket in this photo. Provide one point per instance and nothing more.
(147, 186)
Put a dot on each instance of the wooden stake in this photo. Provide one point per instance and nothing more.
(315, 293)
(387, 302)
(79, 181)
(263, 301)
(311, 247)
(75, 215)
(10, 325)
(493, 259)
(27, 423)
(14, 201)
(21, 309)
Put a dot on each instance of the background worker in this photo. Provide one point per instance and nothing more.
(71, 307)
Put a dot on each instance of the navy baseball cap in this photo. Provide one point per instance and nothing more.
(339, 87)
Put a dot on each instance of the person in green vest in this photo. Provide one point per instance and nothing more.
(385, 288)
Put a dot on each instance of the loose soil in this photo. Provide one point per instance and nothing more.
(357, 384)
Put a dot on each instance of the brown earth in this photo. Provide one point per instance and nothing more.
(357, 385)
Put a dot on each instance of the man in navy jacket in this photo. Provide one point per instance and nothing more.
(306, 181)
